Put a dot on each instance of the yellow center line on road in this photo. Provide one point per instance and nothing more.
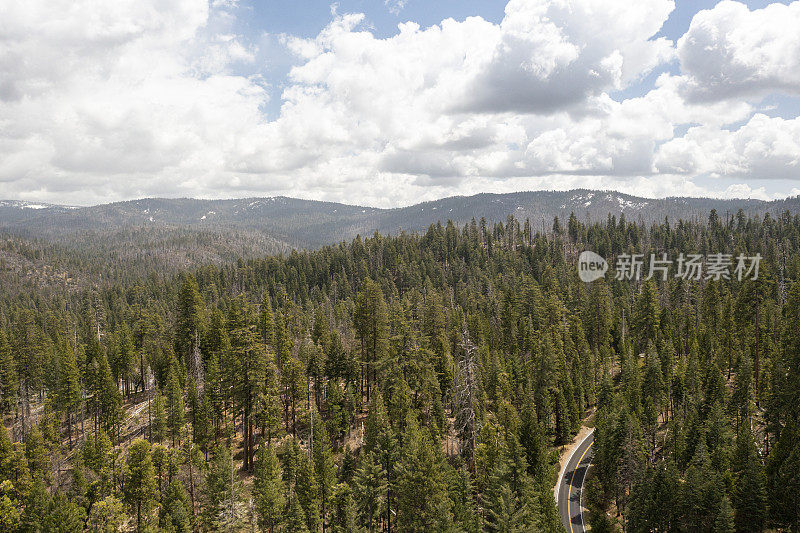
(569, 492)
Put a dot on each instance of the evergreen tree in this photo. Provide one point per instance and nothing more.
(158, 427)
(69, 385)
(296, 518)
(783, 481)
(268, 489)
(252, 361)
(324, 467)
(140, 487)
(422, 500)
(174, 514)
(37, 455)
(174, 407)
(37, 508)
(344, 517)
(106, 515)
(750, 495)
(65, 514)
(369, 490)
(307, 489)
(266, 323)
(9, 383)
(370, 320)
(189, 327)
(219, 488)
(725, 520)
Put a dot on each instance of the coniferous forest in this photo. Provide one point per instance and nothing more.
(409, 383)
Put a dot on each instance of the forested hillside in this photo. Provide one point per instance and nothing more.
(311, 224)
(409, 383)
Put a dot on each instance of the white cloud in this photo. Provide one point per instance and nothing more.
(395, 6)
(144, 99)
(551, 55)
(105, 100)
(743, 190)
(764, 147)
(730, 51)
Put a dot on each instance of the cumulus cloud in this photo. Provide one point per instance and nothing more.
(144, 99)
(549, 55)
(730, 51)
(119, 99)
(763, 148)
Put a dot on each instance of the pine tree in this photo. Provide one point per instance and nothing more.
(344, 517)
(106, 515)
(189, 327)
(369, 490)
(503, 509)
(293, 381)
(251, 357)
(460, 490)
(174, 407)
(18, 473)
(324, 466)
(702, 491)
(422, 499)
(268, 413)
(725, 522)
(6, 454)
(296, 518)
(174, 514)
(266, 323)
(213, 391)
(106, 400)
(370, 320)
(749, 495)
(532, 440)
(9, 514)
(646, 316)
(36, 453)
(9, 382)
(783, 481)
(65, 515)
(219, 487)
(268, 489)
(97, 455)
(377, 420)
(123, 360)
(202, 426)
(140, 487)
(69, 385)
(562, 412)
(37, 508)
(30, 348)
(158, 429)
(307, 490)
(284, 343)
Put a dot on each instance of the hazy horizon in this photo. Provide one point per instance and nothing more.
(355, 204)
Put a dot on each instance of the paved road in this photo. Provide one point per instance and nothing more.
(571, 487)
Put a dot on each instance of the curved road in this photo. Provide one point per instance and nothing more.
(570, 486)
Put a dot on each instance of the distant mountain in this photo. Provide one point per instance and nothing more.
(280, 223)
(18, 211)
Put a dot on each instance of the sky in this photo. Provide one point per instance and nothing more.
(392, 102)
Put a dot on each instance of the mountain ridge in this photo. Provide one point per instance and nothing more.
(301, 223)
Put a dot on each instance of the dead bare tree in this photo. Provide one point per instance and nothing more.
(196, 364)
(465, 390)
